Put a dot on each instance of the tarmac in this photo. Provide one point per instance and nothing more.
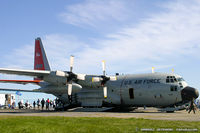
(149, 113)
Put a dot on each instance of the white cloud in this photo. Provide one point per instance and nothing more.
(163, 38)
(58, 48)
(21, 57)
(93, 13)
(163, 34)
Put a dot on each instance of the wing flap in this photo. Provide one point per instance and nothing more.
(21, 81)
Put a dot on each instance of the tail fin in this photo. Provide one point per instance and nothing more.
(40, 60)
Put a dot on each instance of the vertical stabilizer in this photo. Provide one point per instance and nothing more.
(40, 60)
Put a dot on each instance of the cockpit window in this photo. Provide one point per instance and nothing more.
(180, 79)
(171, 79)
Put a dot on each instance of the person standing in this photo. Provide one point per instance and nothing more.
(26, 104)
(38, 103)
(47, 104)
(42, 102)
(22, 104)
(54, 103)
(19, 104)
(34, 103)
(51, 103)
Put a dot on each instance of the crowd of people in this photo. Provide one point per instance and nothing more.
(52, 104)
(39, 104)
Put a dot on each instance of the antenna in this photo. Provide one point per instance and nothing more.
(153, 69)
(172, 70)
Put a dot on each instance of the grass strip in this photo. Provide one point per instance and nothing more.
(27, 124)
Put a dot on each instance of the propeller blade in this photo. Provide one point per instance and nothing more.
(81, 76)
(113, 78)
(69, 89)
(96, 79)
(104, 67)
(71, 62)
(105, 91)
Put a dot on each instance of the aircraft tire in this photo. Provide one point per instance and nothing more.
(170, 111)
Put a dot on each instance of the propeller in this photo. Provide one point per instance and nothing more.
(72, 77)
(104, 79)
(71, 62)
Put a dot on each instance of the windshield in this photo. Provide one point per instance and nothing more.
(171, 79)
(180, 79)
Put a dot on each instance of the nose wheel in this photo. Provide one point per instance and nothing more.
(192, 107)
(189, 94)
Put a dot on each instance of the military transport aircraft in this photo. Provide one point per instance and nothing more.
(134, 90)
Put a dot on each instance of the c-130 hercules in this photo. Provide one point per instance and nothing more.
(133, 90)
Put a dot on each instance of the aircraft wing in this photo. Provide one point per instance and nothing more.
(35, 90)
(32, 73)
(21, 81)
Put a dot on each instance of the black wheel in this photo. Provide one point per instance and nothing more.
(170, 111)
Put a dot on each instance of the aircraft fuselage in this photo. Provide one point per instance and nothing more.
(154, 89)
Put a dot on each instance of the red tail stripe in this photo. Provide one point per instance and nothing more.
(39, 63)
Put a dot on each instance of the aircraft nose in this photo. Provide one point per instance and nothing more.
(189, 93)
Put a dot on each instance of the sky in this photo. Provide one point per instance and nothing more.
(132, 36)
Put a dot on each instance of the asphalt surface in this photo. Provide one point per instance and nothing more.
(149, 113)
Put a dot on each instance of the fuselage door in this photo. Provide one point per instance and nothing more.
(131, 93)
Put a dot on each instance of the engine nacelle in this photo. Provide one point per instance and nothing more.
(56, 78)
(54, 89)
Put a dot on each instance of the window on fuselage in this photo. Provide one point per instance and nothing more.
(181, 85)
(173, 88)
(131, 93)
